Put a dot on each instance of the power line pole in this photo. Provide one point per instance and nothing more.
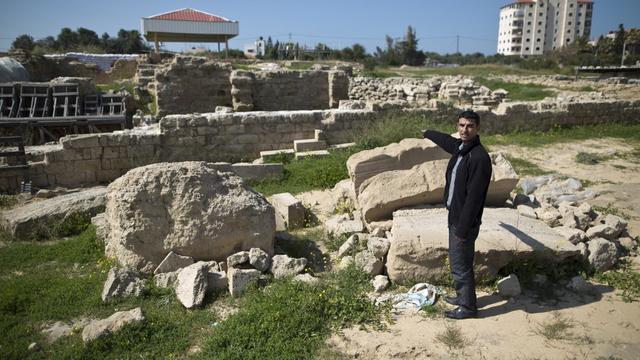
(457, 44)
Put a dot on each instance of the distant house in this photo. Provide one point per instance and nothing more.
(255, 49)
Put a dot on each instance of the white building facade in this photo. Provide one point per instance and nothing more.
(534, 27)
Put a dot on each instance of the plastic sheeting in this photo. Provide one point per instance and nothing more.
(12, 70)
(420, 295)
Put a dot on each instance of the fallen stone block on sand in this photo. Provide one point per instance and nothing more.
(421, 240)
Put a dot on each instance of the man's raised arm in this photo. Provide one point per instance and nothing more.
(445, 141)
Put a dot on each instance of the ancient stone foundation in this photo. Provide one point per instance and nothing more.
(82, 160)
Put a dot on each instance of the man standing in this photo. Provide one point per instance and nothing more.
(467, 180)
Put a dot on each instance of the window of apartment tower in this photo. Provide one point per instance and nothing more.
(539, 22)
(569, 22)
(541, 14)
(569, 31)
(537, 40)
(570, 5)
(528, 40)
(570, 14)
(530, 14)
(539, 31)
(537, 49)
(528, 22)
(527, 49)
(528, 31)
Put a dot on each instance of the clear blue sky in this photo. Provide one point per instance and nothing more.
(335, 23)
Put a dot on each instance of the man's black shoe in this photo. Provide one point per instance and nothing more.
(460, 313)
(452, 300)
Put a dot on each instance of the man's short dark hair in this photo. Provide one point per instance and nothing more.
(470, 115)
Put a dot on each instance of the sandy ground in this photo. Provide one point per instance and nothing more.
(601, 325)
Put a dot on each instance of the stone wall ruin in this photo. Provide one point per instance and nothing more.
(82, 160)
(192, 84)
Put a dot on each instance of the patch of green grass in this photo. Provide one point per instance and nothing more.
(8, 201)
(517, 91)
(586, 88)
(589, 158)
(471, 70)
(557, 328)
(558, 134)
(73, 224)
(433, 311)
(452, 337)
(301, 65)
(117, 86)
(291, 320)
(395, 127)
(379, 73)
(623, 278)
(611, 209)
(525, 168)
(308, 174)
(61, 281)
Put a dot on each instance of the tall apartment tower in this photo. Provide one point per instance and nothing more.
(534, 27)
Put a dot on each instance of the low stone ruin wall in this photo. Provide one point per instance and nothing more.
(193, 84)
(83, 160)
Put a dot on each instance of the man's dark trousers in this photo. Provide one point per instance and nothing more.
(461, 253)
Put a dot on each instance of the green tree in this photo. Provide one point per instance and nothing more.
(87, 37)
(67, 39)
(409, 48)
(359, 52)
(24, 42)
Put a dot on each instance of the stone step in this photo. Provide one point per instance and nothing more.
(311, 154)
(276, 156)
(309, 145)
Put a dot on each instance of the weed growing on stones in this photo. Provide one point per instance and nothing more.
(623, 278)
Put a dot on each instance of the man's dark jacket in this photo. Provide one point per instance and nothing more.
(472, 181)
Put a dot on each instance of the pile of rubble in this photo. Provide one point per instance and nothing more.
(466, 91)
(412, 90)
(418, 92)
(561, 204)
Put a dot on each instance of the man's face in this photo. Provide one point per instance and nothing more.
(467, 129)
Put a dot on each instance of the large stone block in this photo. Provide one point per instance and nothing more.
(190, 208)
(420, 243)
(424, 184)
(289, 211)
(397, 156)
